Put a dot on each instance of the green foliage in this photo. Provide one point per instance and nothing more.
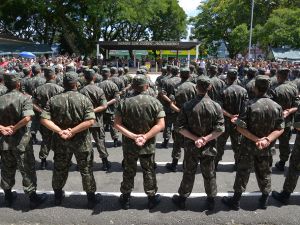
(78, 24)
(229, 20)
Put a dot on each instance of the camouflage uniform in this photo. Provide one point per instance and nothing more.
(139, 114)
(17, 149)
(233, 101)
(41, 95)
(286, 95)
(168, 89)
(261, 116)
(67, 110)
(111, 91)
(184, 92)
(3, 89)
(201, 116)
(97, 98)
(217, 87)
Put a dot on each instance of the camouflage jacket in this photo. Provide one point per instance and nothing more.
(250, 88)
(168, 89)
(234, 98)
(3, 89)
(67, 110)
(14, 106)
(217, 87)
(43, 93)
(201, 116)
(184, 92)
(286, 95)
(32, 83)
(97, 97)
(119, 82)
(111, 91)
(261, 116)
(139, 114)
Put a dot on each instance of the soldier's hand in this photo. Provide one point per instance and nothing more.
(234, 118)
(140, 140)
(286, 113)
(263, 143)
(7, 131)
(200, 142)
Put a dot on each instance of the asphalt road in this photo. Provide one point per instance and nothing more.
(73, 209)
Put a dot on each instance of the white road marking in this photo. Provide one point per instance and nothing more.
(140, 194)
(180, 163)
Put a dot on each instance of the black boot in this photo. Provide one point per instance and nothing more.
(153, 201)
(43, 164)
(36, 200)
(282, 197)
(105, 164)
(164, 144)
(179, 201)
(93, 200)
(210, 203)
(233, 202)
(280, 165)
(117, 143)
(172, 166)
(263, 201)
(216, 165)
(59, 195)
(155, 165)
(10, 197)
(125, 201)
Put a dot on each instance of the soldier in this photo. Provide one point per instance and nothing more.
(273, 78)
(69, 115)
(97, 98)
(294, 168)
(249, 82)
(184, 92)
(32, 83)
(139, 118)
(127, 75)
(3, 88)
(217, 85)
(116, 79)
(296, 75)
(233, 101)
(111, 92)
(167, 95)
(200, 121)
(260, 123)
(286, 95)
(40, 97)
(17, 152)
(26, 72)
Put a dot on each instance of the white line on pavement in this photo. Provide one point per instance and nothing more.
(140, 194)
(180, 163)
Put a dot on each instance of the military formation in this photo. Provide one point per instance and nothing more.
(198, 107)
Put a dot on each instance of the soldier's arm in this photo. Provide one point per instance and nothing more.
(160, 125)
(123, 130)
(245, 132)
(23, 122)
(50, 125)
(82, 126)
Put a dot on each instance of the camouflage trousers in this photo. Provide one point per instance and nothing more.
(98, 134)
(284, 146)
(261, 160)
(46, 143)
(108, 119)
(24, 162)
(207, 165)
(291, 179)
(170, 119)
(177, 145)
(235, 137)
(62, 160)
(129, 172)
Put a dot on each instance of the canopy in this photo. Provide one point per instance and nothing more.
(28, 55)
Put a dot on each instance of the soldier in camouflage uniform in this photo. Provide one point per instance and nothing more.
(200, 121)
(217, 85)
(30, 85)
(116, 79)
(111, 92)
(3, 88)
(40, 97)
(291, 179)
(286, 95)
(233, 101)
(183, 92)
(139, 118)
(97, 98)
(249, 82)
(260, 123)
(70, 115)
(167, 96)
(296, 75)
(15, 113)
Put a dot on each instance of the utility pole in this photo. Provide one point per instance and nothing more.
(251, 29)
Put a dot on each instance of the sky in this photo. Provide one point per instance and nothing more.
(190, 6)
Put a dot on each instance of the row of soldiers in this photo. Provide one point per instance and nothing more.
(195, 103)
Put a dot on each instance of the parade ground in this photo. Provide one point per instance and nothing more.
(73, 209)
